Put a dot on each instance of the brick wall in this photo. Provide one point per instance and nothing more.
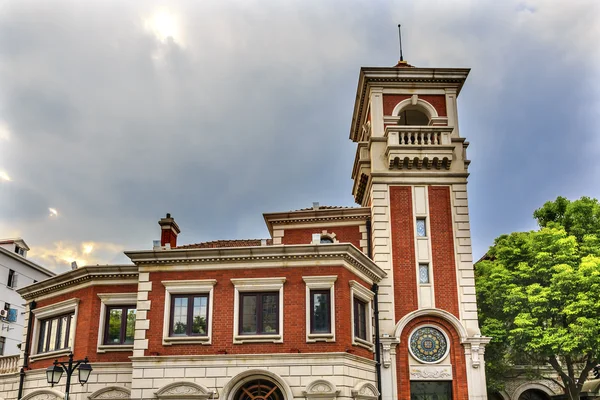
(294, 308)
(457, 358)
(442, 249)
(403, 250)
(437, 101)
(88, 321)
(344, 234)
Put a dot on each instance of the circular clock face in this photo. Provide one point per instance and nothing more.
(428, 344)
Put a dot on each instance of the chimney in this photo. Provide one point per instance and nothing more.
(169, 231)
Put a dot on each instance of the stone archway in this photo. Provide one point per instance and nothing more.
(257, 384)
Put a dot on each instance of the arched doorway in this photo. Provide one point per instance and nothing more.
(259, 389)
(413, 116)
(533, 394)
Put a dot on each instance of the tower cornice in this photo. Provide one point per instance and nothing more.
(409, 78)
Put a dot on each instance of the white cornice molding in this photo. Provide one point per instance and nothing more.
(301, 255)
(312, 216)
(78, 276)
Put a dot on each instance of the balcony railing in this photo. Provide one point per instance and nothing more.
(411, 147)
(9, 364)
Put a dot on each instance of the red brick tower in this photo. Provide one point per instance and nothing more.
(411, 170)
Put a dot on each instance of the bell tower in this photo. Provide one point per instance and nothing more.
(411, 169)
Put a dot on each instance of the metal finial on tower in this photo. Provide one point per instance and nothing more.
(400, 41)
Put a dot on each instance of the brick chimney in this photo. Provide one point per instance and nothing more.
(169, 231)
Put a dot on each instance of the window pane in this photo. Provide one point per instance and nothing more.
(248, 313)
(64, 324)
(180, 316)
(423, 273)
(71, 329)
(199, 326)
(360, 323)
(113, 334)
(42, 338)
(320, 312)
(52, 327)
(130, 326)
(421, 229)
(269, 313)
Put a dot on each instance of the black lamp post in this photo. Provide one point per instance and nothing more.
(55, 372)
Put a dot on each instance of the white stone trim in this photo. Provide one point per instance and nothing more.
(200, 286)
(455, 322)
(111, 392)
(365, 391)
(49, 311)
(425, 106)
(362, 293)
(242, 378)
(323, 283)
(324, 233)
(184, 390)
(113, 299)
(45, 394)
(321, 389)
(242, 285)
(448, 344)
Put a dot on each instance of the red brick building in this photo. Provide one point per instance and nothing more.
(366, 302)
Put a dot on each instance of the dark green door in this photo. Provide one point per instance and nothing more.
(431, 390)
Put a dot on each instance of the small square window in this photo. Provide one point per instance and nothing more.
(12, 279)
(421, 227)
(119, 325)
(2, 345)
(424, 273)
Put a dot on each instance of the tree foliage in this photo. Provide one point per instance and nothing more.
(539, 295)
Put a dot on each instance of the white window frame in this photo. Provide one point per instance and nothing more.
(49, 311)
(365, 295)
(244, 285)
(320, 283)
(200, 286)
(113, 299)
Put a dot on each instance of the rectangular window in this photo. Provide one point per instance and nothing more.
(56, 333)
(423, 273)
(259, 313)
(320, 306)
(12, 279)
(119, 325)
(2, 345)
(360, 319)
(421, 227)
(189, 315)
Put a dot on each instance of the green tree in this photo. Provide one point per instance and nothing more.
(539, 295)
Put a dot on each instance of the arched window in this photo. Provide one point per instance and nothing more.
(259, 389)
(533, 394)
(326, 239)
(413, 116)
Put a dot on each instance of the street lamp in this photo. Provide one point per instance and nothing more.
(55, 372)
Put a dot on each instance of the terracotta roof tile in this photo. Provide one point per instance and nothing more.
(226, 243)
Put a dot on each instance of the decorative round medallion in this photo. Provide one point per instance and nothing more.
(428, 344)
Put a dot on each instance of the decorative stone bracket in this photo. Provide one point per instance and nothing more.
(475, 347)
(388, 349)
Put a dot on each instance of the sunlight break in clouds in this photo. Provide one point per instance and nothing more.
(164, 25)
(53, 212)
(62, 253)
(4, 176)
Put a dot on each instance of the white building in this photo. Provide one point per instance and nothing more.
(16, 271)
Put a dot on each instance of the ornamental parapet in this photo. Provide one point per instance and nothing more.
(418, 147)
(9, 364)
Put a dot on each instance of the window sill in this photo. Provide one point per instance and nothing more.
(114, 347)
(320, 337)
(50, 354)
(168, 341)
(362, 343)
(239, 339)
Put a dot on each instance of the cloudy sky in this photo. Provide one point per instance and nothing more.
(112, 114)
